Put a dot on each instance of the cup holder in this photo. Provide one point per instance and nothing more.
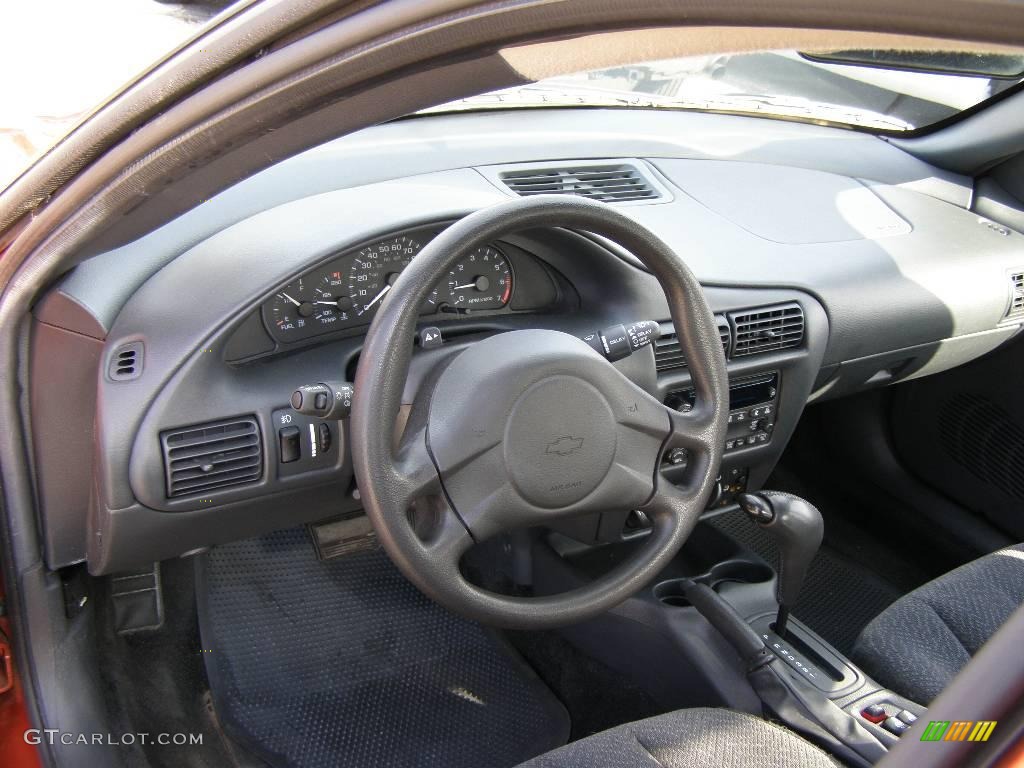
(671, 592)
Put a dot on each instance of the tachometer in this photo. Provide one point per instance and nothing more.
(482, 280)
(375, 269)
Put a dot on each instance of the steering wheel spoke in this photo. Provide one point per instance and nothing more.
(413, 471)
(676, 499)
(448, 538)
(693, 430)
(432, 526)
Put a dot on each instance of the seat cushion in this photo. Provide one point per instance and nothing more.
(689, 738)
(918, 644)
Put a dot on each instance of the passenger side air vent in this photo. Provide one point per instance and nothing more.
(607, 183)
(1016, 296)
(209, 456)
(126, 362)
(668, 354)
(767, 329)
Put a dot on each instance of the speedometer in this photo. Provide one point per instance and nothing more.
(375, 269)
(482, 280)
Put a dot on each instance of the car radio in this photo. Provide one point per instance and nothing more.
(752, 404)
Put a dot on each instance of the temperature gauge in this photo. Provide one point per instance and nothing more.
(331, 303)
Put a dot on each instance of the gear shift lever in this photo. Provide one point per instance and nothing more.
(796, 528)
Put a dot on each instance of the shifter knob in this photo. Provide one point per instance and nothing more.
(796, 528)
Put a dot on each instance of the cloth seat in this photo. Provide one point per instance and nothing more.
(918, 644)
(689, 738)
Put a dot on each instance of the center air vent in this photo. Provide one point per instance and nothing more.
(607, 183)
(766, 329)
(209, 456)
(669, 355)
(1016, 296)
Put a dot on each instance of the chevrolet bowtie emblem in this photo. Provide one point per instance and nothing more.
(565, 445)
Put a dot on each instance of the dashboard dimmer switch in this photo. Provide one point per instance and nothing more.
(324, 435)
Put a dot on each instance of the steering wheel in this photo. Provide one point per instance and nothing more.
(563, 433)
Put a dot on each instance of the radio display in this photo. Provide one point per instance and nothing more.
(742, 393)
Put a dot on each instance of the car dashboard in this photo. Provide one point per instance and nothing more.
(833, 261)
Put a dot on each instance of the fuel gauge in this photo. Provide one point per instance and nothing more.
(289, 313)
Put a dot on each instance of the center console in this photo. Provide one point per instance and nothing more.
(753, 404)
(707, 633)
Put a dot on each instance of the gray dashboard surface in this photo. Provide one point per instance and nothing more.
(424, 145)
(931, 272)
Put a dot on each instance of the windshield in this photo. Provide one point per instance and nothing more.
(61, 59)
(879, 90)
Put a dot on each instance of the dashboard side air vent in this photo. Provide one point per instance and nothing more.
(126, 362)
(1016, 309)
(617, 183)
(667, 353)
(767, 329)
(209, 456)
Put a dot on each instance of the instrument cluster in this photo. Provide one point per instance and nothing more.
(347, 291)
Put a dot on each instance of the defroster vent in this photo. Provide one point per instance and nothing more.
(766, 329)
(210, 456)
(669, 355)
(607, 183)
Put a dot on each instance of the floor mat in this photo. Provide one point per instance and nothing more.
(839, 597)
(344, 663)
